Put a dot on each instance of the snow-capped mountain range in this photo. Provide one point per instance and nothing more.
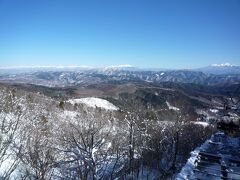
(27, 69)
(224, 68)
(64, 76)
(223, 65)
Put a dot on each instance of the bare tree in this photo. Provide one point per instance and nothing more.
(38, 153)
(10, 115)
(86, 146)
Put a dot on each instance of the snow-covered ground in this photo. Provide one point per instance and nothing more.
(204, 124)
(95, 102)
(219, 145)
(70, 114)
(209, 115)
(214, 110)
(172, 107)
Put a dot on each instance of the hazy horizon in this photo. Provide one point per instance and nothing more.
(110, 66)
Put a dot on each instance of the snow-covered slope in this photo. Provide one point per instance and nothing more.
(202, 123)
(172, 107)
(95, 102)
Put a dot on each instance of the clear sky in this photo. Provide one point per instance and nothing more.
(143, 33)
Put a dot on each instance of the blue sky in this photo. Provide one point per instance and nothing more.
(143, 33)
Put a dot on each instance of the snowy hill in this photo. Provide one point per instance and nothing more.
(95, 102)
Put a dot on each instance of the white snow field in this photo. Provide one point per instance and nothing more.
(204, 124)
(94, 102)
(172, 107)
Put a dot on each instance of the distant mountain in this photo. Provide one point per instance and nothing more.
(225, 68)
(218, 69)
(31, 69)
(96, 76)
(112, 69)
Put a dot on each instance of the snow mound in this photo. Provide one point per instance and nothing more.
(95, 102)
(172, 107)
(214, 110)
(204, 124)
